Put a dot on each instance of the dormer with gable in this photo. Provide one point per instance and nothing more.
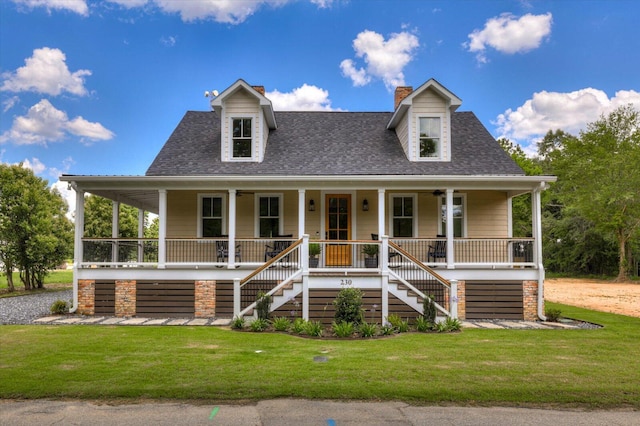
(246, 116)
(422, 121)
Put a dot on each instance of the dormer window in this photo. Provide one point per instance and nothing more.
(430, 137)
(241, 140)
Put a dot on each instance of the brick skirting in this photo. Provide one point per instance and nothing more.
(125, 298)
(86, 297)
(530, 300)
(205, 299)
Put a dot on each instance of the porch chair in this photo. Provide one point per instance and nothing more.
(222, 251)
(278, 247)
(392, 254)
(437, 251)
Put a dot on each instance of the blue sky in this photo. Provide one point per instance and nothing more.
(97, 86)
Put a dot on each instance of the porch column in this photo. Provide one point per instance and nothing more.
(384, 264)
(449, 223)
(536, 225)
(77, 245)
(301, 212)
(115, 230)
(381, 212)
(231, 260)
(140, 235)
(162, 228)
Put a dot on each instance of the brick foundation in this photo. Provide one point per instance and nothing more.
(530, 300)
(125, 298)
(205, 299)
(86, 297)
(462, 301)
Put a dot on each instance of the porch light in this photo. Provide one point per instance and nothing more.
(365, 205)
(312, 206)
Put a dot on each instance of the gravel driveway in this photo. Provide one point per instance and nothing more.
(25, 309)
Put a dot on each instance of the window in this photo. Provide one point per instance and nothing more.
(430, 137)
(241, 138)
(269, 215)
(211, 216)
(458, 216)
(403, 216)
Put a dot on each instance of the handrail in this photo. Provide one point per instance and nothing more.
(267, 265)
(419, 264)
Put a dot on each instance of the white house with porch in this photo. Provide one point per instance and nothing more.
(409, 204)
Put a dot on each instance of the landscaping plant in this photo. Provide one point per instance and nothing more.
(348, 305)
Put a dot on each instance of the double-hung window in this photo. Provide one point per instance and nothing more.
(241, 139)
(269, 215)
(430, 137)
(403, 216)
(211, 216)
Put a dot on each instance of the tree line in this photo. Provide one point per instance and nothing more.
(591, 215)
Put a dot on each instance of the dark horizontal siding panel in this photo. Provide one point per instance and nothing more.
(224, 299)
(104, 298)
(175, 298)
(494, 300)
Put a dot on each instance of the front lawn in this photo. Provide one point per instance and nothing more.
(571, 368)
(55, 280)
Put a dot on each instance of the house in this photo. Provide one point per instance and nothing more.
(406, 204)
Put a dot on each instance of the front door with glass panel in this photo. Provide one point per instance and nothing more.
(338, 226)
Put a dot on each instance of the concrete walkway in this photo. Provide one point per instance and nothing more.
(139, 321)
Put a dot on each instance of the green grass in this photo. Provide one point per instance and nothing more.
(569, 368)
(55, 280)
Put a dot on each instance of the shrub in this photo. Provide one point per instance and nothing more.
(348, 306)
(299, 325)
(238, 323)
(313, 328)
(259, 324)
(368, 330)
(429, 309)
(553, 315)
(387, 329)
(397, 323)
(59, 307)
(343, 329)
(448, 325)
(281, 324)
(423, 325)
(263, 305)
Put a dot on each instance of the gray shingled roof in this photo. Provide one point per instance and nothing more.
(329, 143)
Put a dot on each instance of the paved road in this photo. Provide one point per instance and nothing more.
(285, 412)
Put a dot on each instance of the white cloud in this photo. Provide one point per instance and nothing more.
(384, 59)
(168, 41)
(77, 6)
(68, 195)
(566, 111)
(10, 103)
(44, 123)
(34, 164)
(304, 98)
(509, 34)
(130, 4)
(322, 4)
(224, 11)
(46, 72)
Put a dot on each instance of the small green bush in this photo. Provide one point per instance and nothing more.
(552, 314)
(448, 325)
(423, 325)
(299, 325)
(281, 324)
(259, 324)
(238, 323)
(387, 329)
(313, 328)
(429, 309)
(59, 307)
(348, 306)
(398, 323)
(263, 305)
(368, 330)
(343, 329)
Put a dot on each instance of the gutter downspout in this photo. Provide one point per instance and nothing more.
(537, 212)
(77, 243)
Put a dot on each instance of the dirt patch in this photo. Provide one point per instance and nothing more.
(598, 295)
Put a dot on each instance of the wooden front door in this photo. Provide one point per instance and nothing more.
(338, 222)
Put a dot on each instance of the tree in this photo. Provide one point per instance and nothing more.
(36, 236)
(521, 206)
(599, 177)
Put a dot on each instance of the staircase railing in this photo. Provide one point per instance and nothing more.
(422, 280)
(282, 269)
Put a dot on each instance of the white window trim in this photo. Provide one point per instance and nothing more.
(256, 215)
(416, 138)
(224, 210)
(414, 196)
(443, 201)
(255, 135)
